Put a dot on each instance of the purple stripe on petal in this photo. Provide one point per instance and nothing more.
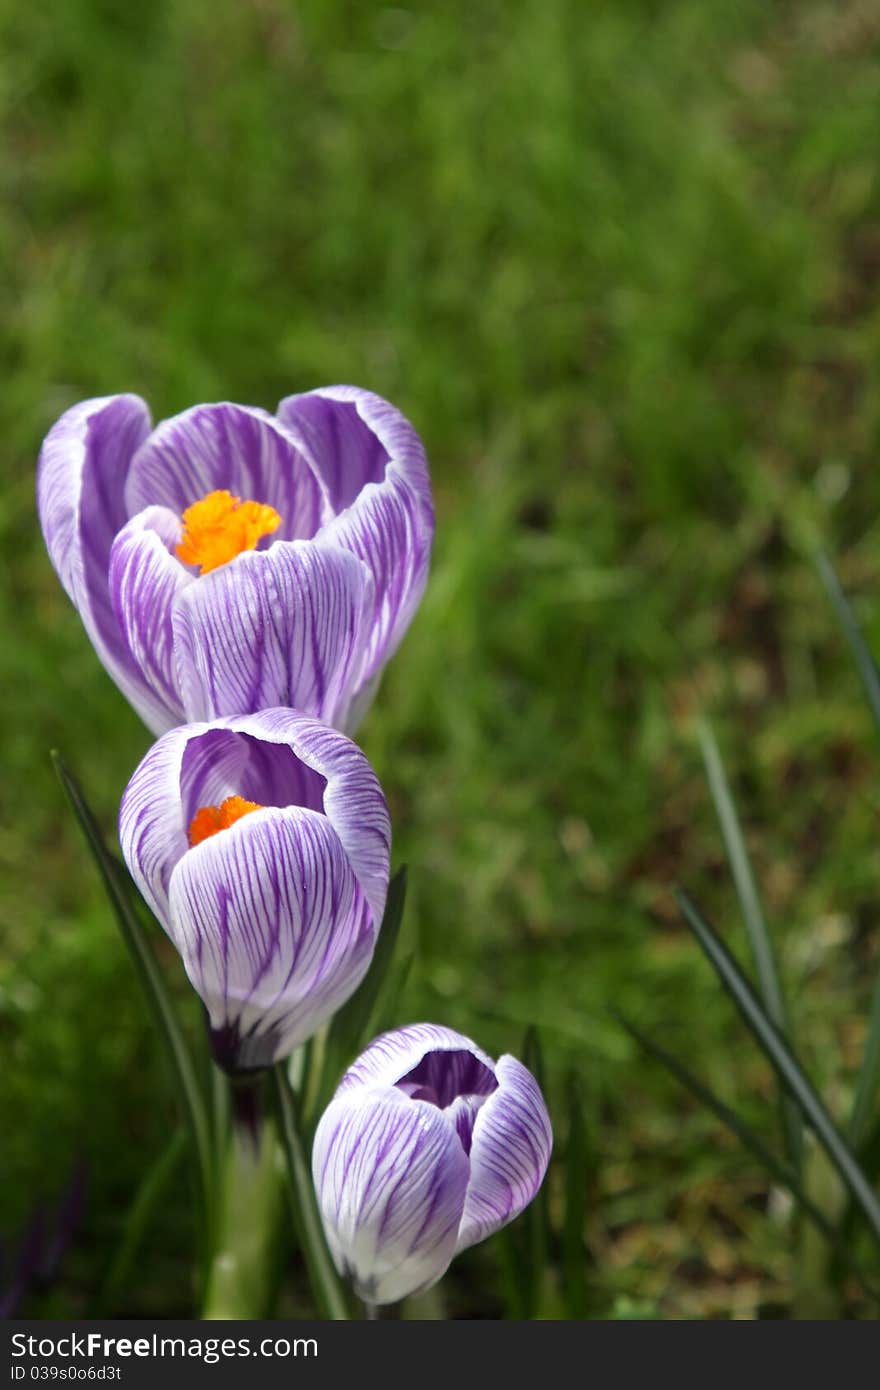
(387, 530)
(145, 579)
(343, 447)
(280, 627)
(373, 464)
(81, 478)
(152, 824)
(353, 799)
(275, 758)
(273, 929)
(233, 447)
(390, 1176)
(220, 763)
(510, 1149)
(395, 1055)
(449, 1074)
(462, 1113)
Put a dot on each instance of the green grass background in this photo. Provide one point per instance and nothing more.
(619, 262)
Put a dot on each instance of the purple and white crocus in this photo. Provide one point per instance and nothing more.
(229, 560)
(261, 843)
(427, 1147)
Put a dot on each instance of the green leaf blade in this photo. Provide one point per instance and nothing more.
(753, 916)
(120, 891)
(849, 626)
(303, 1205)
(785, 1064)
(865, 1102)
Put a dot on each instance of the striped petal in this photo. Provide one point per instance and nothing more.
(390, 1176)
(152, 820)
(277, 627)
(275, 758)
(229, 760)
(274, 931)
(393, 1056)
(234, 447)
(510, 1149)
(145, 579)
(353, 800)
(374, 468)
(81, 478)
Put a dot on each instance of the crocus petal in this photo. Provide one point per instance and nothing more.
(80, 496)
(145, 579)
(353, 801)
(462, 1113)
(276, 627)
(350, 436)
(234, 447)
(390, 1177)
(152, 823)
(510, 1150)
(393, 1055)
(273, 929)
(446, 1075)
(223, 761)
(373, 465)
(275, 758)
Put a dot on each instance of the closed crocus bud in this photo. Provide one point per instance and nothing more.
(229, 560)
(427, 1147)
(262, 845)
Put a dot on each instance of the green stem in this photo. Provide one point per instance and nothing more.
(325, 1283)
(239, 1277)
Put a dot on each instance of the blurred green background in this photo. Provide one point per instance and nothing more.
(619, 262)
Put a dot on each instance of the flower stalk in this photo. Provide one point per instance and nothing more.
(247, 1221)
(325, 1284)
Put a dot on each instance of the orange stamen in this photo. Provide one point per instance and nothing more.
(209, 819)
(221, 526)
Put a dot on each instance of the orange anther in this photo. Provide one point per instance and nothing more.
(209, 819)
(221, 526)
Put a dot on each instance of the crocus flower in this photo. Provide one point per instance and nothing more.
(230, 560)
(261, 843)
(427, 1147)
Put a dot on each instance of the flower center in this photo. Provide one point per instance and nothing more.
(209, 819)
(221, 526)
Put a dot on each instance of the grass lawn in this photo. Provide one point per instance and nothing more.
(619, 262)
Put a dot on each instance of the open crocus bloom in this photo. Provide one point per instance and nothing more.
(262, 845)
(230, 560)
(427, 1147)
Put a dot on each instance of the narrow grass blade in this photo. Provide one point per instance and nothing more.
(786, 1065)
(574, 1254)
(781, 1171)
(120, 892)
(865, 1103)
(350, 1029)
(304, 1210)
(146, 1201)
(753, 916)
(869, 1158)
(388, 1008)
(849, 626)
(777, 1167)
